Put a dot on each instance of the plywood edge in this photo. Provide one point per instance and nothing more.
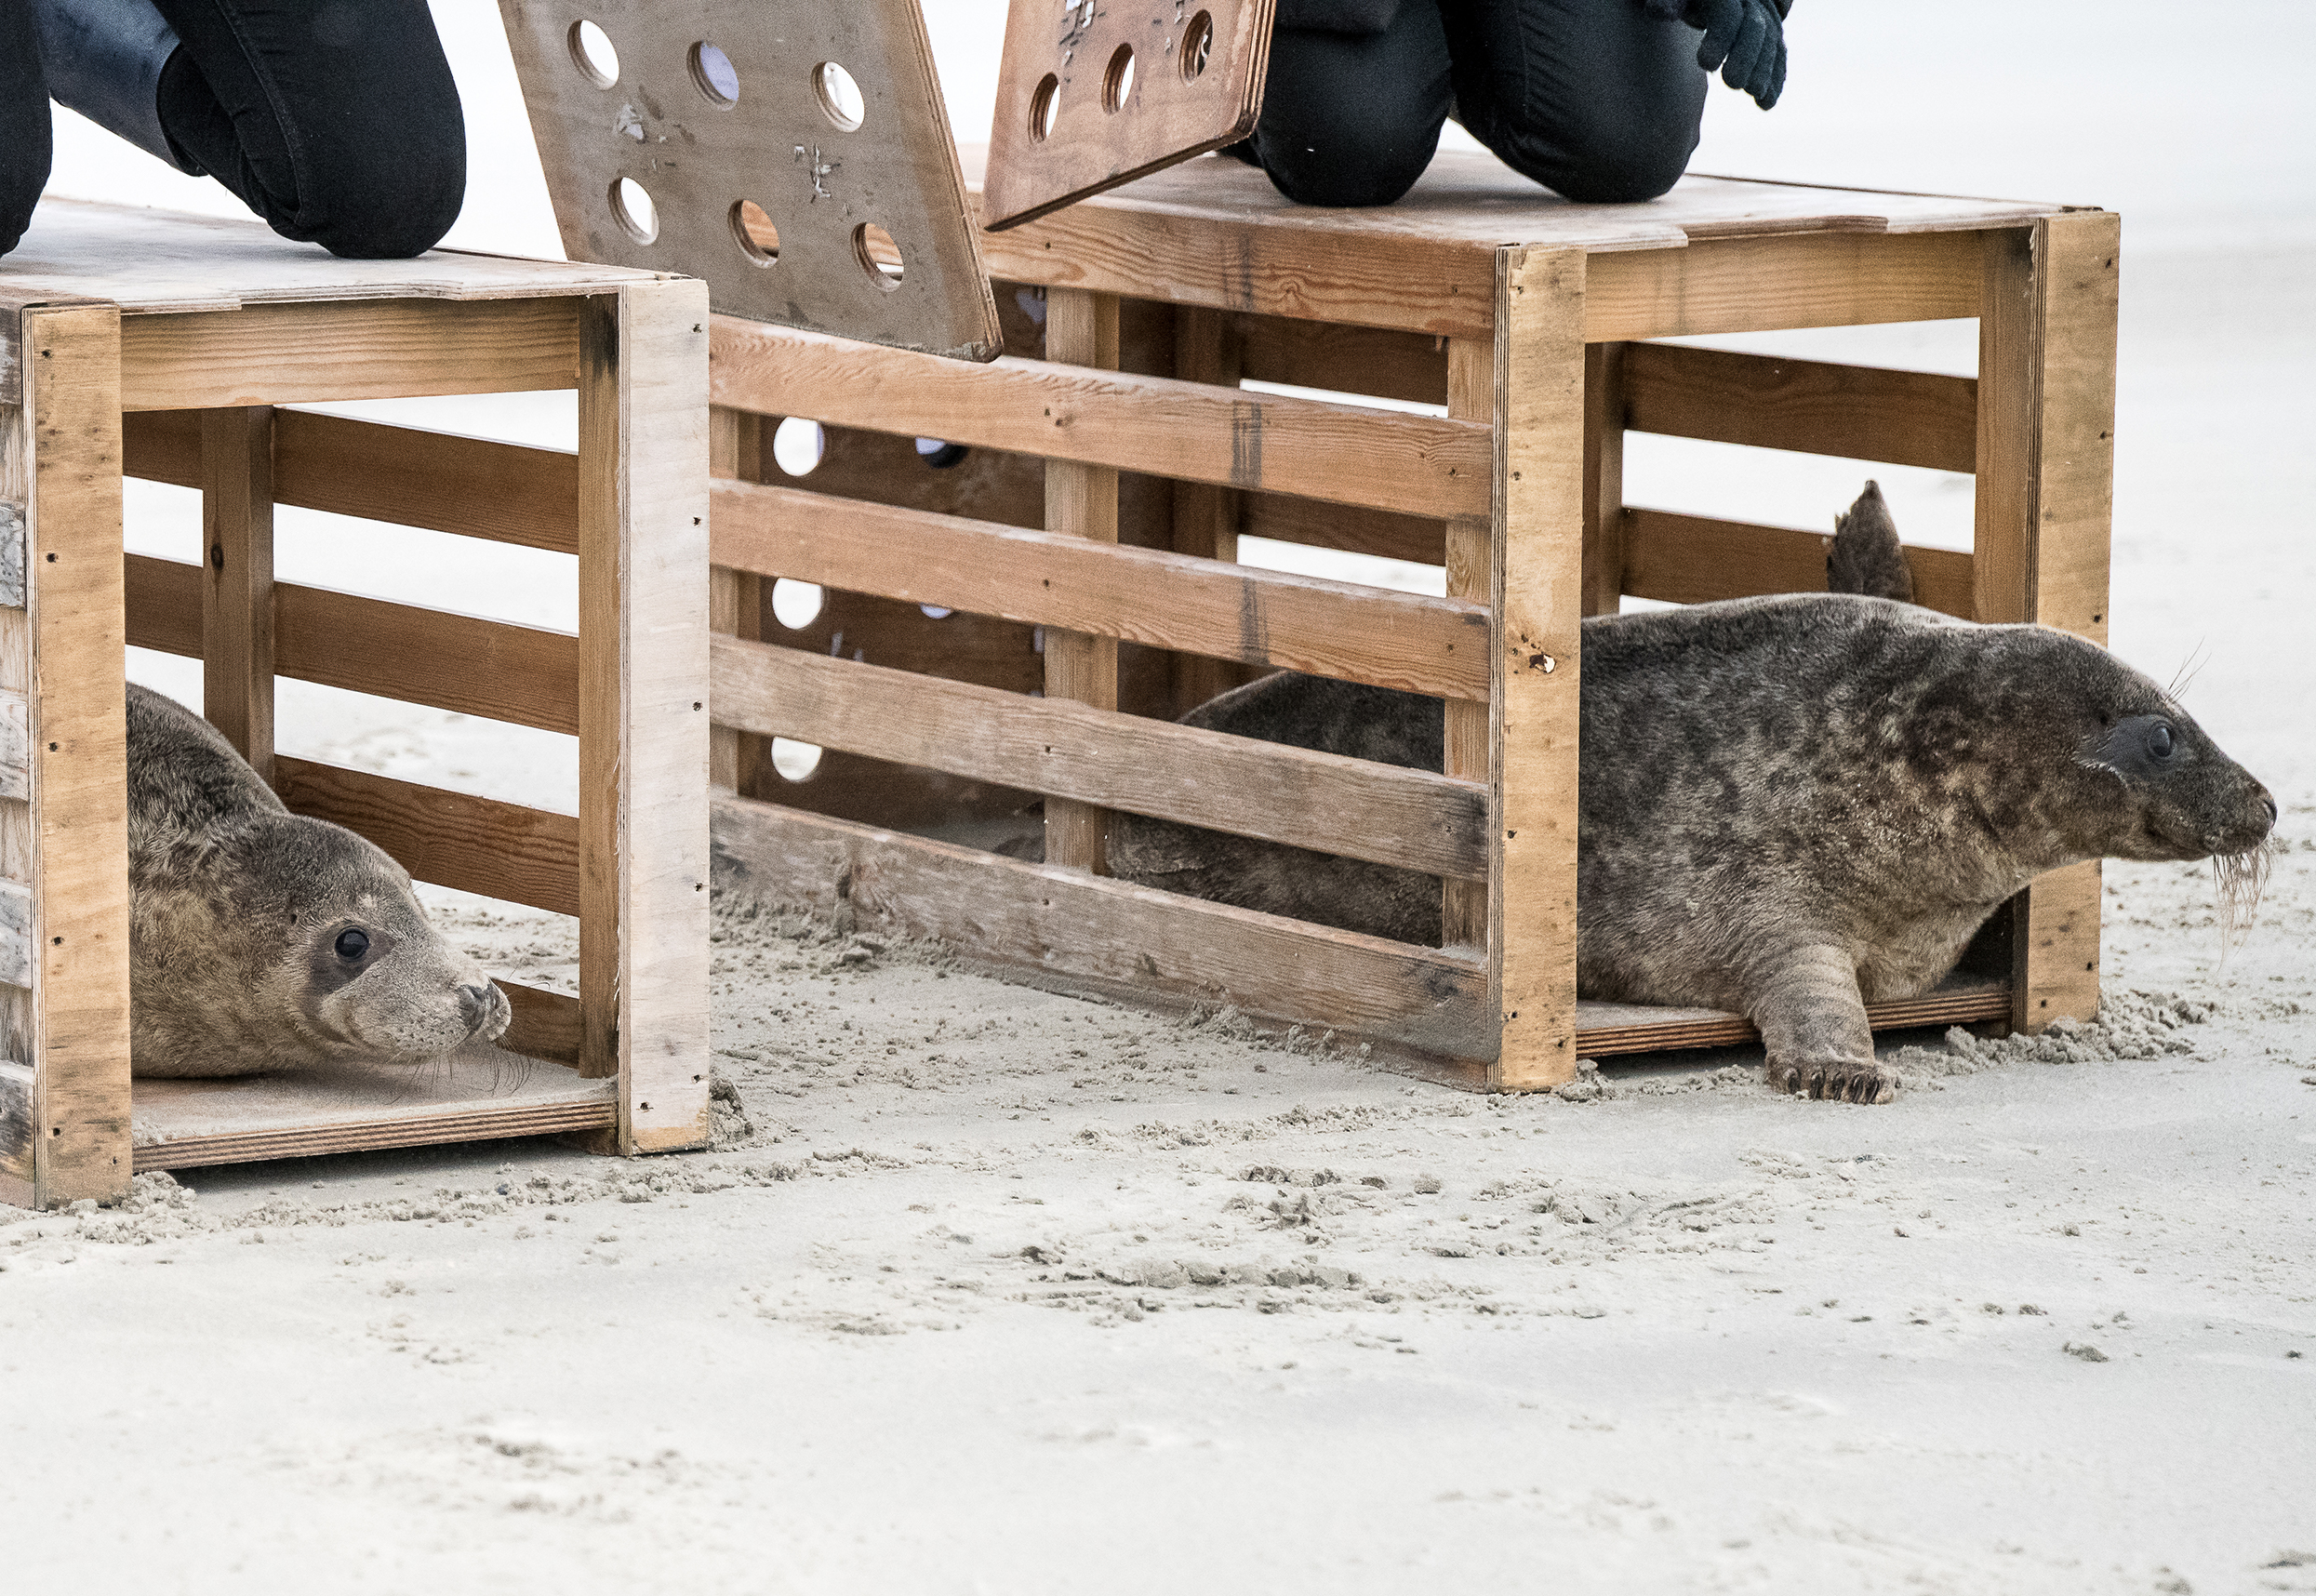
(1605, 1029)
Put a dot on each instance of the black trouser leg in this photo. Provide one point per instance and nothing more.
(1596, 100)
(340, 124)
(24, 132)
(1353, 118)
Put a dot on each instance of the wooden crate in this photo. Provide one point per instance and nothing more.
(138, 343)
(1088, 543)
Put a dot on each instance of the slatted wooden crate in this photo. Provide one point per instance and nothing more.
(1087, 547)
(158, 346)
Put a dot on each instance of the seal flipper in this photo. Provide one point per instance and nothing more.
(1813, 1025)
(1866, 557)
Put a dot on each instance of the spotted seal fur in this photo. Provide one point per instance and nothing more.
(1791, 807)
(264, 941)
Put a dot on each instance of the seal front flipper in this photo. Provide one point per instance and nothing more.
(1813, 1026)
(1866, 557)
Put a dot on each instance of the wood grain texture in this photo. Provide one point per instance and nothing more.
(286, 354)
(735, 600)
(19, 1132)
(1693, 559)
(1419, 539)
(79, 778)
(1413, 819)
(237, 581)
(643, 701)
(1607, 1029)
(15, 933)
(1062, 922)
(1345, 454)
(527, 675)
(1080, 501)
(452, 839)
(1770, 284)
(477, 487)
(1856, 412)
(1242, 613)
(1607, 414)
(2046, 416)
(546, 1025)
(781, 146)
(1467, 748)
(1071, 121)
(1540, 553)
(1389, 364)
(16, 746)
(1205, 519)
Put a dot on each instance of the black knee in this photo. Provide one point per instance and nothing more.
(1353, 119)
(1612, 150)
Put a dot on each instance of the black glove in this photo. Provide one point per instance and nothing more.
(1745, 39)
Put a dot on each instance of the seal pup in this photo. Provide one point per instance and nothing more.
(1791, 807)
(262, 940)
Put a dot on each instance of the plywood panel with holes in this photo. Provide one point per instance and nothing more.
(795, 154)
(1092, 95)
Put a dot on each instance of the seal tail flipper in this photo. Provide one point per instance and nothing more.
(1866, 557)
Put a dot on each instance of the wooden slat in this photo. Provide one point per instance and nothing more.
(1411, 367)
(15, 933)
(735, 598)
(1419, 539)
(475, 844)
(1693, 559)
(1772, 283)
(2046, 368)
(1082, 502)
(525, 674)
(509, 493)
(1542, 300)
(237, 581)
(1204, 519)
(1606, 366)
(286, 353)
(1407, 641)
(71, 419)
(1340, 453)
(1467, 733)
(1857, 412)
(16, 746)
(545, 1025)
(644, 704)
(1603, 1028)
(1064, 923)
(1412, 818)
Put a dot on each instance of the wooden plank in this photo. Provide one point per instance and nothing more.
(477, 487)
(1208, 348)
(79, 775)
(286, 355)
(1418, 538)
(488, 1094)
(1412, 818)
(524, 674)
(1693, 559)
(452, 839)
(1468, 750)
(1605, 1028)
(1344, 454)
(816, 170)
(545, 1025)
(735, 598)
(1854, 412)
(1101, 94)
(2046, 417)
(19, 1132)
(1387, 364)
(1080, 501)
(1606, 388)
(237, 581)
(19, 1043)
(1062, 922)
(642, 705)
(1541, 298)
(1771, 284)
(1149, 596)
(16, 746)
(15, 933)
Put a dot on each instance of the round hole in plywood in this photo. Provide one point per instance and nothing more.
(839, 96)
(754, 231)
(879, 256)
(632, 209)
(1045, 105)
(1198, 43)
(795, 605)
(794, 761)
(714, 76)
(1117, 79)
(797, 446)
(593, 54)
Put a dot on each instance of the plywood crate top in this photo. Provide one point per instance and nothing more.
(1476, 200)
(149, 261)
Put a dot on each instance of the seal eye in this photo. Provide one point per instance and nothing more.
(352, 945)
(2159, 740)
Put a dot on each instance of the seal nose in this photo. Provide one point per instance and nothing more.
(476, 1006)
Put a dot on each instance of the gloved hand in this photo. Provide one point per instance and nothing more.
(1745, 39)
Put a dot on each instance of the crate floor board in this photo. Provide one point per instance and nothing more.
(483, 1095)
(1610, 1028)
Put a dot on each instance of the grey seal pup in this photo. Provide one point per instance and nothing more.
(262, 940)
(1791, 807)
